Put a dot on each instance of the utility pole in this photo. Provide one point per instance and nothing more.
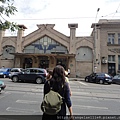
(95, 41)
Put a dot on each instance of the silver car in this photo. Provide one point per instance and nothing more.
(15, 70)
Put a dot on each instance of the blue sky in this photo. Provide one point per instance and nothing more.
(63, 12)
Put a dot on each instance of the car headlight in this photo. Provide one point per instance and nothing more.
(1, 73)
(107, 79)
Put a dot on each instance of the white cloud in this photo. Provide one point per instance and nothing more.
(62, 12)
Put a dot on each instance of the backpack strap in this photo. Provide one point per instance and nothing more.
(51, 87)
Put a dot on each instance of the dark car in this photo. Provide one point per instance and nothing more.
(37, 75)
(99, 78)
(4, 72)
(116, 79)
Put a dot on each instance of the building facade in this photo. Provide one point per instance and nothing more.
(46, 48)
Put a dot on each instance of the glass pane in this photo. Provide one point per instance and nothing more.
(109, 58)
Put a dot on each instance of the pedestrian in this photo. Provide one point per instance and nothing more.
(58, 84)
(68, 71)
(49, 74)
(67, 80)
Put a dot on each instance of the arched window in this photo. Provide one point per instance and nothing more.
(7, 50)
(84, 54)
(46, 45)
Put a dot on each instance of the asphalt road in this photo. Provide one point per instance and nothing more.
(87, 98)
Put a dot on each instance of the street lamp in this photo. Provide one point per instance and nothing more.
(95, 39)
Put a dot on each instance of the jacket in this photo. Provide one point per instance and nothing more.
(64, 92)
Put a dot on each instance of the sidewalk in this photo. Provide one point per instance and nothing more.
(76, 79)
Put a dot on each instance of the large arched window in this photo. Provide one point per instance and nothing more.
(84, 54)
(46, 45)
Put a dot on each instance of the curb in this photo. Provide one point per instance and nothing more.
(76, 79)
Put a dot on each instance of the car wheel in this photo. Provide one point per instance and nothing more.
(15, 79)
(86, 79)
(39, 80)
(4, 76)
(101, 82)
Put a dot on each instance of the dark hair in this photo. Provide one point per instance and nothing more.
(50, 72)
(58, 77)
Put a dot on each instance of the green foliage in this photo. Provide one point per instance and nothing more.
(6, 9)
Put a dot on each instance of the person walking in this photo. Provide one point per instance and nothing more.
(49, 75)
(59, 84)
(67, 80)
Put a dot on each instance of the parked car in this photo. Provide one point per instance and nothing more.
(2, 86)
(4, 72)
(116, 79)
(15, 70)
(99, 78)
(37, 75)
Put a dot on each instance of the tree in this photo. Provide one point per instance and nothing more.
(6, 9)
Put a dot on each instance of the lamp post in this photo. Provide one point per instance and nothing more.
(95, 39)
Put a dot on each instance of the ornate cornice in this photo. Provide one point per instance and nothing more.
(115, 50)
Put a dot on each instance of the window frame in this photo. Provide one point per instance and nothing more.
(111, 38)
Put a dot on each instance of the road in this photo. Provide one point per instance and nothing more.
(87, 98)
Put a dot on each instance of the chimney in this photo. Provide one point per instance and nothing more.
(20, 35)
(72, 30)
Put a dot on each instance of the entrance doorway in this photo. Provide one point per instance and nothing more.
(27, 63)
(43, 62)
(111, 69)
(62, 62)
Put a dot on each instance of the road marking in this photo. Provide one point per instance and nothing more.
(90, 107)
(20, 110)
(84, 100)
(80, 93)
(82, 83)
(36, 90)
(35, 95)
(27, 102)
(4, 94)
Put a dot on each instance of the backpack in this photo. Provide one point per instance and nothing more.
(51, 103)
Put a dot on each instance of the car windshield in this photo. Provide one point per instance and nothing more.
(116, 76)
(107, 75)
(3, 70)
(17, 70)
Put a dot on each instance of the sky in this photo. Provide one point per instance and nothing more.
(63, 12)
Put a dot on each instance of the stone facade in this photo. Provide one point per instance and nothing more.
(46, 47)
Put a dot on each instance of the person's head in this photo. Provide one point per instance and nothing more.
(59, 74)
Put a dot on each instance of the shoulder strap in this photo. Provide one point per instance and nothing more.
(51, 87)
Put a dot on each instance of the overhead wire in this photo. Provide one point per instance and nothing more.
(112, 13)
(116, 10)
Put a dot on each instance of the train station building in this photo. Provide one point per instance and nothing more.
(47, 47)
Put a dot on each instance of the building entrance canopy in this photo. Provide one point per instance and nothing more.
(43, 60)
(38, 55)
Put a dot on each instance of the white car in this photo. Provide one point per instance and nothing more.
(15, 70)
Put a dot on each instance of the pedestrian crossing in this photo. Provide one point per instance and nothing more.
(84, 99)
(78, 83)
(83, 83)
